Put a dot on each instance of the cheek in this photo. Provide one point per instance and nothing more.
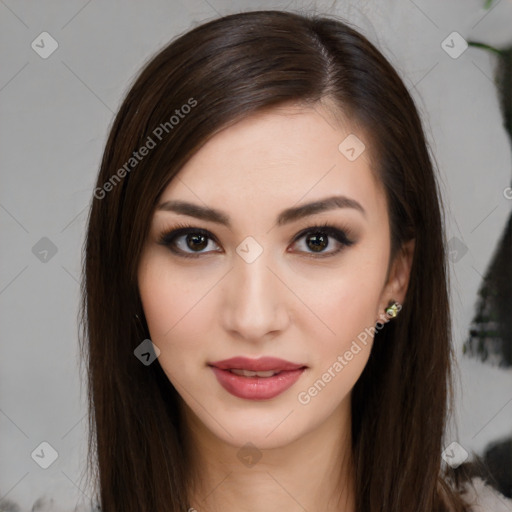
(344, 337)
(168, 297)
(347, 300)
(171, 306)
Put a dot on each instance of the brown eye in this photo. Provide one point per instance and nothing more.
(317, 241)
(196, 241)
(191, 242)
(187, 241)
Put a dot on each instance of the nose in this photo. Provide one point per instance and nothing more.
(255, 304)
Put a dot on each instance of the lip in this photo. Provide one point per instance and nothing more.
(256, 388)
(256, 365)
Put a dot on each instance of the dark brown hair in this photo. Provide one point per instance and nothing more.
(223, 71)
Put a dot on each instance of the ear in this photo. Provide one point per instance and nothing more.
(398, 280)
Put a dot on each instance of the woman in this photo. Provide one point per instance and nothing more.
(265, 308)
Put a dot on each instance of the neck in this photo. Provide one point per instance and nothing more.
(312, 472)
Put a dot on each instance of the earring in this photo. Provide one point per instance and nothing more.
(393, 309)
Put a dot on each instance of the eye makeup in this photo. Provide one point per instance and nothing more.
(173, 237)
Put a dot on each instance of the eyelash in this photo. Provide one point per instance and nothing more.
(167, 238)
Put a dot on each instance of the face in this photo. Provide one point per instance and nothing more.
(263, 278)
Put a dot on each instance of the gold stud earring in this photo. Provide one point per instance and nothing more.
(392, 309)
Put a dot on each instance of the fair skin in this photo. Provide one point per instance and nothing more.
(288, 303)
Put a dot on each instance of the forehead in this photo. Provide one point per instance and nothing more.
(279, 158)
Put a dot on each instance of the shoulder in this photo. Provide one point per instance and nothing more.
(482, 497)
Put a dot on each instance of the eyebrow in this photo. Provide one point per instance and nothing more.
(285, 217)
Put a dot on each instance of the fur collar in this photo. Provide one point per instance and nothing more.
(485, 498)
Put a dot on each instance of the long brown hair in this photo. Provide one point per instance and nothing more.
(205, 80)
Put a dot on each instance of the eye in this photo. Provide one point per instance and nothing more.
(317, 239)
(183, 237)
(190, 242)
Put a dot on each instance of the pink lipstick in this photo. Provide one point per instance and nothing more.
(256, 379)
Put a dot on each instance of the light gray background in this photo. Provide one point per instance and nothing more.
(55, 116)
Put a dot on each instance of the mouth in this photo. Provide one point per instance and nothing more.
(249, 373)
(256, 379)
(252, 367)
